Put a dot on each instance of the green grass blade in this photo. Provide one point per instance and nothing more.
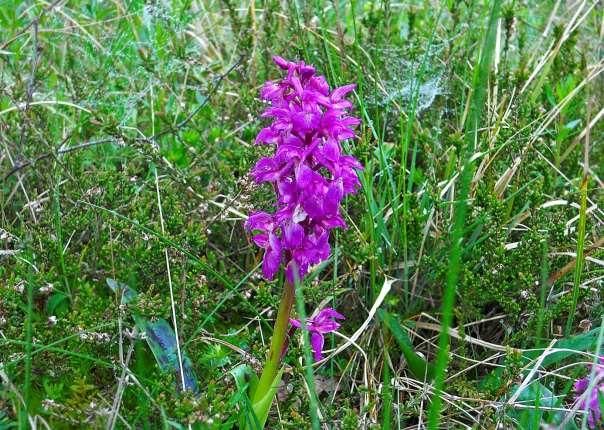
(386, 398)
(308, 371)
(580, 256)
(479, 89)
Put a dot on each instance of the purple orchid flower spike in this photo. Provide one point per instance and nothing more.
(324, 322)
(590, 402)
(310, 176)
(308, 171)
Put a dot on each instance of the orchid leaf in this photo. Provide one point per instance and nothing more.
(580, 343)
(253, 416)
(161, 340)
(263, 406)
(58, 304)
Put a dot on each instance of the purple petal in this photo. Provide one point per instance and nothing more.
(333, 197)
(259, 221)
(340, 92)
(287, 190)
(331, 149)
(305, 70)
(292, 140)
(329, 122)
(282, 62)
(312, 96)
(326, 326)
(274, 242)
(295, 82)
(349, 177)
(267, 135)
(316, 341)
(276, 112)
(286, 152)
(304, 176)
(344, 133)
(266, 170)
(284, 214)
(272, 258)
(334, 222)
(330, 313)
(581, 385)
(594, 412)
(270, 91)
(261, 240)
(341, 106)
(305, 120)
(325, 321)
(320, 84)
(293, 234)
(350, 161)
(313, 206)
(350, 121)
(295, 323)
(322, 248)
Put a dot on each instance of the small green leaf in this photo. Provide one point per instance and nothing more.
(245, 378)
(536, 395)
(117, 287)
(161, 340)
(541, 398)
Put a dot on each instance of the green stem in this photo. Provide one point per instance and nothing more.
(273, 363)
(580, 256)
(310, 381)
(479, 83)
